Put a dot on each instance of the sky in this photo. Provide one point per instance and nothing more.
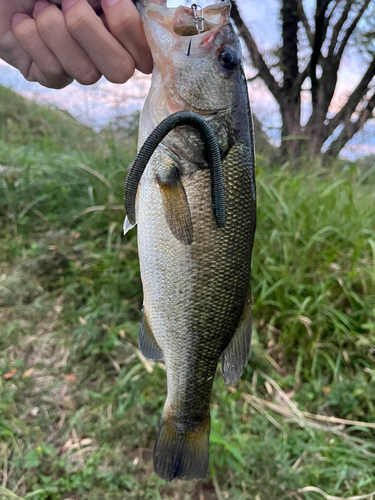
(102, 103)
(99, 104)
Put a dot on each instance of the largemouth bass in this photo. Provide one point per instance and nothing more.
(195, 274)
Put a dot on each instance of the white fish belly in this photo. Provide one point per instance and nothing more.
(167, 272)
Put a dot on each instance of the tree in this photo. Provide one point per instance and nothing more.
(337, 27)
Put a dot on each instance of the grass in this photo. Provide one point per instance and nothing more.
(79, 405)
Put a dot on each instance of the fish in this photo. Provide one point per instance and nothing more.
(195, 271)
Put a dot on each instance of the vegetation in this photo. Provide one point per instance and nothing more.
(79, 404)
(312, 47)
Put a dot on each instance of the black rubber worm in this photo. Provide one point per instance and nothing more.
(154, 139)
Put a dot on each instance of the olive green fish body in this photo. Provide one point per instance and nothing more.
(195, 275)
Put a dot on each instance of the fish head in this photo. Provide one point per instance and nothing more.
(199, 70)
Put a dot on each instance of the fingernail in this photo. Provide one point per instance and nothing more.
(39, 6)
(67, 4)
(17, 18)
(109, 3)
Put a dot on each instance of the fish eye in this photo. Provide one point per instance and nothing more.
(228, 58)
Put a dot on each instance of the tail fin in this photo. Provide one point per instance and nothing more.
(182, 455)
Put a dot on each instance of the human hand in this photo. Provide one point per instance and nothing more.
(54, 47)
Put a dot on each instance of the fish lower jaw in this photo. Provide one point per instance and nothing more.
(174, 107)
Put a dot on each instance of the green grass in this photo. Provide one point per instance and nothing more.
(79, 406)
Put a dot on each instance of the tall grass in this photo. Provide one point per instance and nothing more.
(313, 269)
(80, 405)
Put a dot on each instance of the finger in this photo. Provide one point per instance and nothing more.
(12, 51)
(95, 4)
(53, 31)
(45, 67)
(108, 55)
(125, 24)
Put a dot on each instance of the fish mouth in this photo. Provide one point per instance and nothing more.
(207, 113)
(210, 114)
(188, 21)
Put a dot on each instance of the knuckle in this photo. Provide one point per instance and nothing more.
(50, 82)
(55, 70)
(58, 83)
(29, 77)
(77, 24)
(122, 72)
(46, 26)
(28, 33)
(55, 84)
(64, 82)
(87, 76)
(126, 23)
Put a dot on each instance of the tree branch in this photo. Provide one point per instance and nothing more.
(289, 49)
(351, 28)
(320, 29)
(323, 92)
(351, 128)
(355, 98)
(255, 55)
(338, 26)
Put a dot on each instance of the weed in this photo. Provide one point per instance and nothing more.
(79, 406)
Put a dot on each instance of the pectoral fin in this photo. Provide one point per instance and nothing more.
(176, 207)
(236, 355)
(147, 343)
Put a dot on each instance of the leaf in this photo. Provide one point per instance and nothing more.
(10, 374)
(31, 459)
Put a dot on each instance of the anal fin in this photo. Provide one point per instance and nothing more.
(236, 355)
(176, 207)
(147, 343)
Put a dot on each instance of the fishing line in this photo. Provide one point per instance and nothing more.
(152, 142)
